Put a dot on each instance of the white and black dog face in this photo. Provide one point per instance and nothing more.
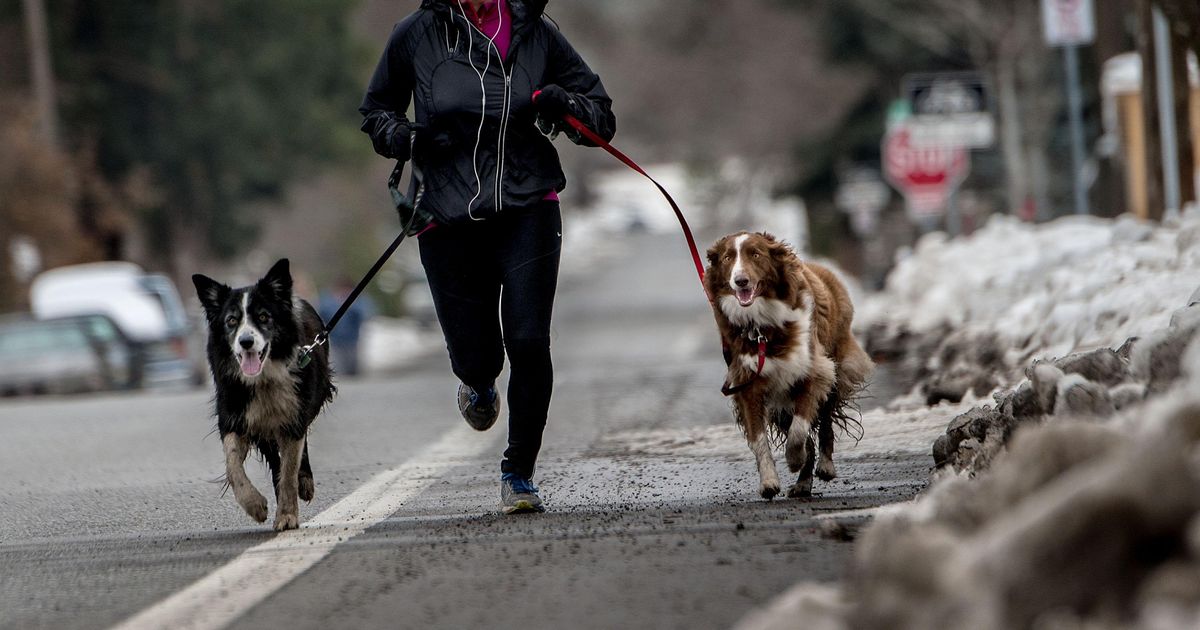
(250, 327)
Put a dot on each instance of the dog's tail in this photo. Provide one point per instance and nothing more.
(853, 377)
(841, 409)
(846, 414)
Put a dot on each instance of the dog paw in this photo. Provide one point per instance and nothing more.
(768, 490)
(255, 505)
(307, 488)
(825, 470)
(286, 521)
(801, 489)
(797, 454)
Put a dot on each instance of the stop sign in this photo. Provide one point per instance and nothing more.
(924, 174)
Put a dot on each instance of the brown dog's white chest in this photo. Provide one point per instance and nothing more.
(788, 339)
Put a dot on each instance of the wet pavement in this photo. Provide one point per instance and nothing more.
(655, 521)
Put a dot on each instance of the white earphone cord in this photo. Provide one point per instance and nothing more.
(471, 28)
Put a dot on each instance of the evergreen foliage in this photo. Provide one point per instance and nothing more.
(218, 104)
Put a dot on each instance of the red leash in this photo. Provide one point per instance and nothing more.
(601, 142)
(761, 340)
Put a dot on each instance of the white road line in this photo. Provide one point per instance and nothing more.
(222, 596)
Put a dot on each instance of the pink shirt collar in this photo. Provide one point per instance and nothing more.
(494, 20)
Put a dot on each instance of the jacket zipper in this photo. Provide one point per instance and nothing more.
(505, 104)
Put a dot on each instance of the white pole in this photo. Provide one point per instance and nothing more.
(1166, 115)
(1075, 107)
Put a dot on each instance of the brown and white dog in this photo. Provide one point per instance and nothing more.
(793, 362)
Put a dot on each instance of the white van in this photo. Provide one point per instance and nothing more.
(146, 308)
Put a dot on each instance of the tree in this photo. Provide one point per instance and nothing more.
(35, 202)
(40, 68)
(1002, 39)
(1183, 20)
(196, 110)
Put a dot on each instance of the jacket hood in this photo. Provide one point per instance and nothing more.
(535, 8)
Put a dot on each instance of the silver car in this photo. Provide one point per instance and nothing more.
(63, 356)
(146, 308)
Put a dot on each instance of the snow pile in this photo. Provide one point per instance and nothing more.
(1079, 523)
(1075, 501)
(1050, 289)
(390, 344)
(1082, 522)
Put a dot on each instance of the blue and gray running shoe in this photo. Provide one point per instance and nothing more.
(518, 495)
(479, 410)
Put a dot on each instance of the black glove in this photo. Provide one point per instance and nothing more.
(553, 101)
(390, 135)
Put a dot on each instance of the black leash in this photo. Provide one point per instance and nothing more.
(404, 207)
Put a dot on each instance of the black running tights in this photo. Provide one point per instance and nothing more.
(493, 285)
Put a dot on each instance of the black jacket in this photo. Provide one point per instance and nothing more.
(437, 56)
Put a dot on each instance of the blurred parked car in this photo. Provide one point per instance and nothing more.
(145, 308)
(65, 355)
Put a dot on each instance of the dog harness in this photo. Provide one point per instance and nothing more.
(761, 339)
(756, 335)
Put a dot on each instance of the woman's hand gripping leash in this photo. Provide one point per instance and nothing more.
(562, 109)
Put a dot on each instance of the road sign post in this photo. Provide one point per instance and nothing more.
(862, 195)
(1070, 24)
(1075, 107)
(1172, 191)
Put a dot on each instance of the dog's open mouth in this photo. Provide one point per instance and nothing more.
(746, 296)
(252, 362)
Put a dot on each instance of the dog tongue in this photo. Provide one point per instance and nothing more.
(251, 364)
(745, 296)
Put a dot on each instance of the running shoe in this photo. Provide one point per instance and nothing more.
(479, 410)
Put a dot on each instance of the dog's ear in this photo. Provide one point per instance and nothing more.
(212, 294)
(780, 250)
(718, 248)
(785, 265)
(714, 254)
(712, 285)
(278, 280)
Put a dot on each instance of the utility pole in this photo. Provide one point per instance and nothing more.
(1168, 126)
(1183, 132)
(1150, 119)
(1075, 116)
(1070, 24)
(41, 69)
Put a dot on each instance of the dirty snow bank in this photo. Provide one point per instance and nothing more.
(1023, 291)
(1080, 523)
(1074, 501)
(1074, 282)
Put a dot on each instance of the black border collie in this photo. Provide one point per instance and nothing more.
(264, 398)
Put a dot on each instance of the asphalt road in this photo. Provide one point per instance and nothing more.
(110, 507)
